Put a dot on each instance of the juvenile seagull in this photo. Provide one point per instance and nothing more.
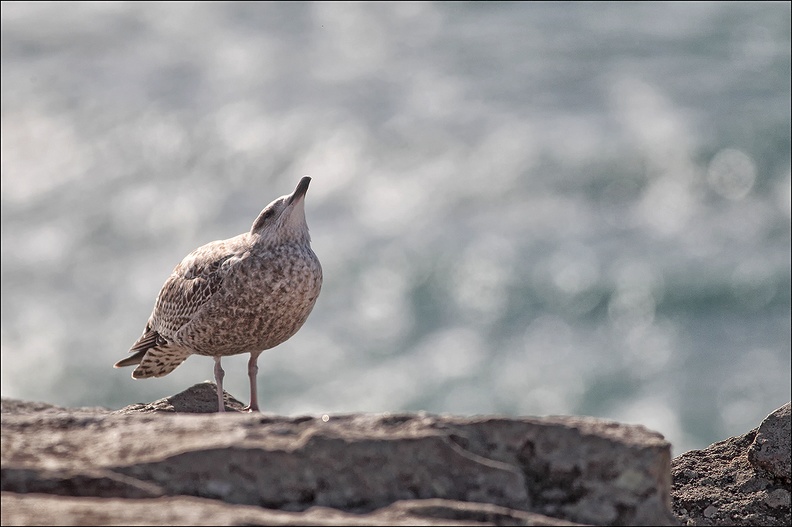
(245, 294)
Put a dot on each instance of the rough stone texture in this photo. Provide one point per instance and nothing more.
(484, 469)
(743, 480)
(44, 509)
(772, 448)
(200, 399)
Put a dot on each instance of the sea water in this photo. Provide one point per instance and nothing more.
(520, 208)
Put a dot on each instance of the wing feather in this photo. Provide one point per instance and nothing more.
(192, 285)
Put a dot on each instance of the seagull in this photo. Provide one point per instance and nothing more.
(246, 294)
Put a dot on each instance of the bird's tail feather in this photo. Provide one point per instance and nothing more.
(130, 361)
(155, 355)
(160, 361)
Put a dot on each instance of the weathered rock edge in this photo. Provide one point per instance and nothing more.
(48, 509)
(742, 480)
(577, 469)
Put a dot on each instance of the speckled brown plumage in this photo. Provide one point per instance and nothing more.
(245, 294)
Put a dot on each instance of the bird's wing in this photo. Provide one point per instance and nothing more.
(192, 284)
(189, 287)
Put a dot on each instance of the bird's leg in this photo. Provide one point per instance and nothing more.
(219, 374)
(252, 372)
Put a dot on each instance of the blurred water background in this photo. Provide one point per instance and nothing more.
(521, 208)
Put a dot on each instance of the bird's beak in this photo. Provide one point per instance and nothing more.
(299, 192)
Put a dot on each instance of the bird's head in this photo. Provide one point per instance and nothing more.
(283, 220)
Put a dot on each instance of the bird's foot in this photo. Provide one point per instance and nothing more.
(251, 409)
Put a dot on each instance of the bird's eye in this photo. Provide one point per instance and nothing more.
(263, 218)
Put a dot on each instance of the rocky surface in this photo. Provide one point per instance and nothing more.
(160, 463)
(46, 509)
(164, 463)
(743, 480)
(771, 450)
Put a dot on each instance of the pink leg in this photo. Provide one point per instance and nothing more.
(252, 372)
(219, 374)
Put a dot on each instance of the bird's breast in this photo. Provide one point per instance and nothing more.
(264, 300)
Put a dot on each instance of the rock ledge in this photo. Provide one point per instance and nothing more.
(174, 462)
